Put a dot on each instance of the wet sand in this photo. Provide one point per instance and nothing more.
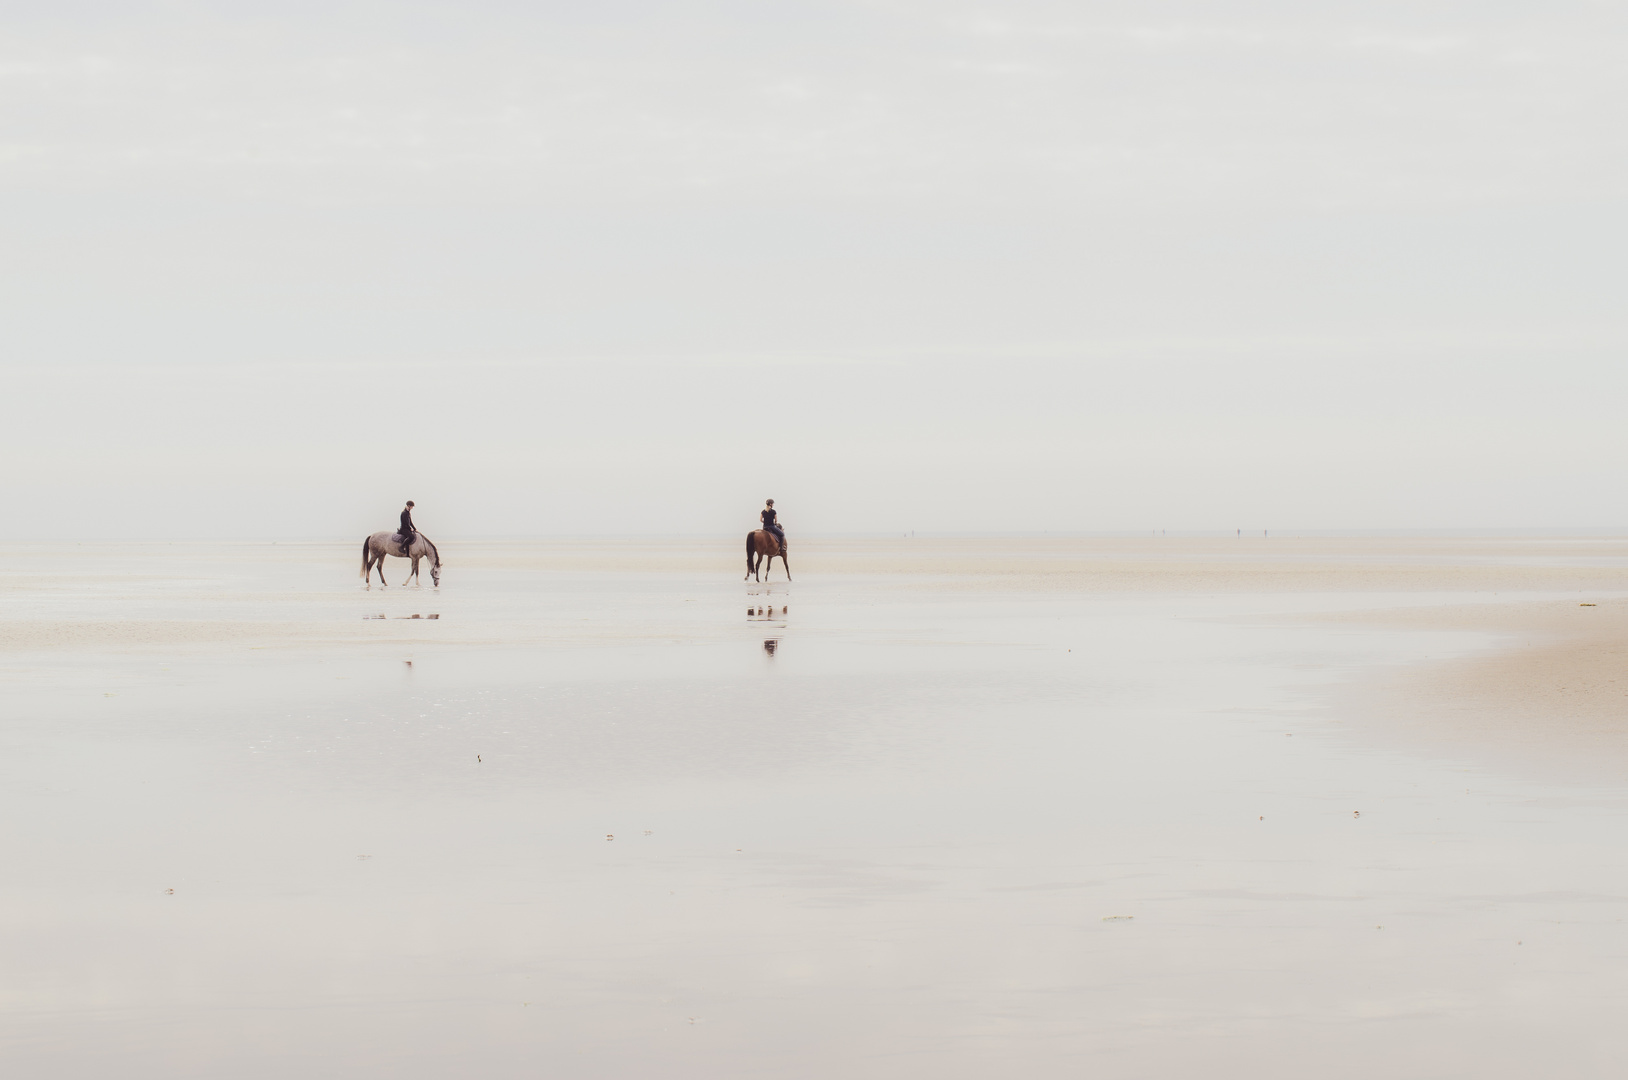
(1133, 808)
(1545, 695)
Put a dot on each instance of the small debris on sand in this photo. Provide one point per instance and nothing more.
(1118, 918)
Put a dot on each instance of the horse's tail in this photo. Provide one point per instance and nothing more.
(365, 544)
(749, 552)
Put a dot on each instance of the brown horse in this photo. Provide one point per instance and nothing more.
(761, 545)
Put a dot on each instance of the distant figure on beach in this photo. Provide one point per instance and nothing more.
(762, 545)
(408, 543)
(769, 523)
(407, 530)
(382, 544)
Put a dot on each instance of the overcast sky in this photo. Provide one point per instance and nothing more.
(270, 269)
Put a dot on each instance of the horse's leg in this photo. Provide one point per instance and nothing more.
(383, 582)
(413, 577)
(784, 565)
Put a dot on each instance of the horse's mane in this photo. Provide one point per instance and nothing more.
(433, 552)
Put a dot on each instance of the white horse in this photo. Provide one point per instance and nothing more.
(380, 544)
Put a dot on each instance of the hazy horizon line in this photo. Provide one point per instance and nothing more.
(1490, 533)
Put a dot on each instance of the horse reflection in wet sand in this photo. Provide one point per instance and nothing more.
(761, 549)
(380, 544)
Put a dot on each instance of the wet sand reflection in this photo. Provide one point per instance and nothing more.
(758, 611)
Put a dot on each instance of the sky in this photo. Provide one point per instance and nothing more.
(271, 269)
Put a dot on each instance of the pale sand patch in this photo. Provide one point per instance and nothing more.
(231, 638)
(1550, 698)
(47, 634)
(107, 634)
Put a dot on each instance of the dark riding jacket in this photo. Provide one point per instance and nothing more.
(773, 526)
(407, 523)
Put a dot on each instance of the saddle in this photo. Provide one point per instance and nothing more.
(401, 541)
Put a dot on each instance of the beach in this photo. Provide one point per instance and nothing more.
(960, 807)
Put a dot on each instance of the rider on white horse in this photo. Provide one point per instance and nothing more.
(407, 530)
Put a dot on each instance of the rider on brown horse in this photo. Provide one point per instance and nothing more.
(769, 525)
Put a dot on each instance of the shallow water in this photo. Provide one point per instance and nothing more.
(588, 823)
